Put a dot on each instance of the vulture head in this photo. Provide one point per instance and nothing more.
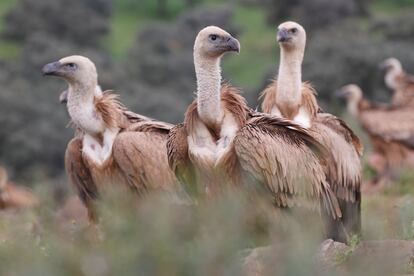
(213, 42)
(391, 64)
(76, 70)
(352, 93)
(291, 35)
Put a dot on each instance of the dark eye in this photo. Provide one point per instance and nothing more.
(294, 30)
(71, 65)
(213, 37)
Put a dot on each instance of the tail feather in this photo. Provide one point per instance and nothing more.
(348, 225)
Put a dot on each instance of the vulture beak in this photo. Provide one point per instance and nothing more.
(383, 66)
(51, 69)
(341, 93)
(282, 35)
(232, 45)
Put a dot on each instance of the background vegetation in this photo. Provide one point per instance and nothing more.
(143, 50)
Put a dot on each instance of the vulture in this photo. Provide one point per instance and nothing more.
(397, 80)
(13, 196)
(391, 130)
(112, 145)
(290, 98)
(224, 145)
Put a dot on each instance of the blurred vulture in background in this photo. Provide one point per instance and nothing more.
(222, 144)
(289, 98)
(112, 145)
(13, 196)
(397, 80)
(391, 130)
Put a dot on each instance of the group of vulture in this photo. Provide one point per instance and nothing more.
(292, 154)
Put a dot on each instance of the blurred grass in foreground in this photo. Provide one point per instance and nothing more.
(156, 237)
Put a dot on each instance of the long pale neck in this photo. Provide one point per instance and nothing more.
(289, 81)
(80, 96)
(82, 110)
(391, 77)
(352, 108)
(208, 75)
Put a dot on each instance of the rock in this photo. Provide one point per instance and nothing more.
(385, 257)
(330, 254)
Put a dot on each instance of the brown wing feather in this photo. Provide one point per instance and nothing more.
(341, 128)
(142, 158)
(80, 175)
(270, 148)
(393, 125)
(178, 158)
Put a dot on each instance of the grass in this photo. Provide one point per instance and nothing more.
(153, 236)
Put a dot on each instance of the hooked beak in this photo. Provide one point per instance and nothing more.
(341, 93)
(282, 35)
(51, 69)
(383, 66)
(232, 45)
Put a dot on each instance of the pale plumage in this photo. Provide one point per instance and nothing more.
(13, 196)
(112, 146)
(401, 83)
(391, 129)
(290, 98)
(236, 147)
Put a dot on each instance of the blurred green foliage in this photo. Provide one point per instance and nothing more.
(143, 51)
(154, 236)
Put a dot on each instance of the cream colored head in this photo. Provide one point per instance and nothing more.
(391, 64)
(212, 42)
(76, 70)
(351, 92)
(353, 95)
(291, 36)
(3, 178)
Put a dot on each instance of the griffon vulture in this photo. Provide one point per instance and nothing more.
(223, 144)
(401, 83)
(290, 98)
(112, 145)
(391, 130)
(13, 196)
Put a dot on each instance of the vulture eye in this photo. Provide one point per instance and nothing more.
(71, 65)
(213, 37)
(294, 30)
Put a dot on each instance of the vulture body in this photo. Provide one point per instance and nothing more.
(223, 144)
(391, 130)
(290, 98)
(13, 196)
(112, 146)
(401, 83)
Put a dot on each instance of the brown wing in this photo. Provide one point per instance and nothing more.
(14, 196)
(343, 171)
(178, 159)
(80, 175)
(287, 160)
(394, 125)
(341, 128)
(142, 157)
